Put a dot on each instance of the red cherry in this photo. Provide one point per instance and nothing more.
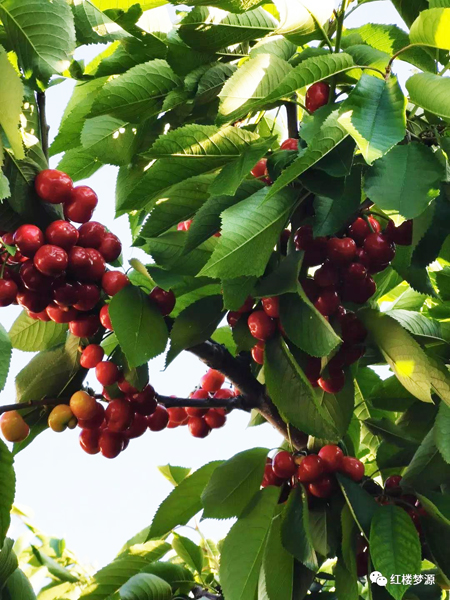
(352, 330)
(33, 279)
(41, 316)
(269, 476)
(362, 292)
(51, 260)
(97, 267)
(184, 225)
(34, 301)
(28, 239)
(392, 483)
(271, 306)
(312, 370)
(63, 234)
(113, 282)
(310, 288)
(328, 302)
(327, 275)
(159, 419)
(111, 443)
(110, 248)
(403, 235)
(137, 428)
(80, 263)
(289, 144)
(260, 169)
(360, 229)
(84, 326)
(317, 96)
(177, 414)
(198, 427)
(94, 422)
(379, 248)
(283, 465)
(91, 356)
(355, 273)
(284, 239)
(126, 387)
(349, 354)
(303, 237)
(119, 414)
(81, 204)
(215, 418)
(362, 557)
(247, 306)
(107, 373)
(8, 292)
(60, 315)
(64, 293)
(232, 318)
(165, 301)
(316, 253)
(105, 319)
(332, 457)
(89, 440)
(352, 467)
(88, 296)
(323, 487)
(334, 383)
(261, 326)
(258, 353)
(341, 251)
(53, 186)
(362, 257)
(198, 412)
(310, 468)
(212, 381)
(224, 393)
(91, 235)
(144, 403)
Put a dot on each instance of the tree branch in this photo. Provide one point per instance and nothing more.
(44, 127)
(292, 119)
(201, 593)
(238, 372)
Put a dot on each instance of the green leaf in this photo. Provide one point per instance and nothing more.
(427, 469)
(394, 546)
(129, 563)
(183, 502)
(431, 92)
(195, 324)
(5, 356)
(177, 576)
(11, 97)
(208, 222)
(249, 233)
(443, 283)
(92, 26)
(305, 326)
(212, 148)
(278, 564)
(432, 28)
(30, 335)
(346, 582)
(209, 30)
(394, 185)
(138, 325)
(361, 504)
(43, 38)
(430, 245)
(243, 548)
(182, 201)
(7, 489)
(374, 114)
(276, 44)
(245, 470)
(390, 432)
(108, 139)
(212, 81)
(437, 506)
(234, 173)
(145, 586)
(236, 291)
(168, 251)
(283, 279)
(442, 430)
(79, 164)
(18, 586)
(435, 533)
(138, 93)
(410, 9)
(189, 552)
(417, 323)
(295, 532)
(285, 380)
(302, 19)
(126, 4)
(310, 71)
(330, 135)
(250, 86)
(403, 354)
(224, 336)
(54, 568)
(174, 474)
(8, 561)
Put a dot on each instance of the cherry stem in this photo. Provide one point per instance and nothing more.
(377, 214)
(367, 220)
(44, 126)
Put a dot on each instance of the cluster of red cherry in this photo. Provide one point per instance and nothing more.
(392, 494)
(56, 275)
(314, 471)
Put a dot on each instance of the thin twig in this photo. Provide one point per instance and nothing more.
(44, 126)
(292, 120)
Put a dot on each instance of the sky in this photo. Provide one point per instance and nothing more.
(97, 504)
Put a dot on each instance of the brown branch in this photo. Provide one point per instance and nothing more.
(44, 126)
(292, 119)
(238, 372)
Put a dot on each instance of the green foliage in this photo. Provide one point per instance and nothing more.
(30, 335)
(7, 489)
(295, 529)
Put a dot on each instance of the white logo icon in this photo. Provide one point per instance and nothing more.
(377, 577)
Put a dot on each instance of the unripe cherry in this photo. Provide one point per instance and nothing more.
(61, 418)
(13, 426)
(83, 405)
